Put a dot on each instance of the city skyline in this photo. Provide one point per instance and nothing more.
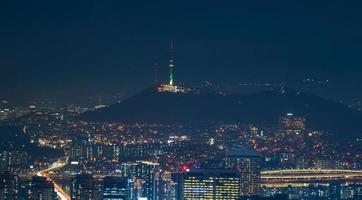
(121, 100)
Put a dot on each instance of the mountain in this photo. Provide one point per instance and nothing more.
(264, 108)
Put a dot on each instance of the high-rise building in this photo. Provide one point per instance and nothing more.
(85, 187)
(142, 174)
(213, 184)
(167, 186)
(9, 186)
(94, 153)
(40, 188)
(11, 160)
(116, 188)
(247, 162)
(334, 191)
(139, 151)
(177, 178)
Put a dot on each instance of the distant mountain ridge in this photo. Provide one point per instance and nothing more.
(264, 108)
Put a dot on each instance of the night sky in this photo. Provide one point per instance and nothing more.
(69, 50)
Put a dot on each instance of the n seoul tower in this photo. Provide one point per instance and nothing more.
(171, 86)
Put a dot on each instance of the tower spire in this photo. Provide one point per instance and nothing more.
(156, 73)
(171, 63)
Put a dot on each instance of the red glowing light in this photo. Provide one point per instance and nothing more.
(184, 168)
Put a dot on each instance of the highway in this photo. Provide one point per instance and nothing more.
(269, 179)
(304, 177)
(58, 189)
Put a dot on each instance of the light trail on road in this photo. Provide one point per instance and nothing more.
(58, 189)
(304, 177)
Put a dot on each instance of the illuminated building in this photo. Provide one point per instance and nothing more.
(303, 163)
(247, 162)
(40, 188)
(167, 190)
(116, 188)
(177, 177)
(213, 184)
(9, 186)
(276, 197)
(332, 191)
(173, 88)
(139, 151)
(328, 164)
(292, 123)
(94, 153)
(352, 191)
(143, 175)
(84, 186)
(11, 160)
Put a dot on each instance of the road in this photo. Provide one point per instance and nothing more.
(58, 189)
(303, 177)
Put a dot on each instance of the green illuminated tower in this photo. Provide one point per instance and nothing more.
(171, 64)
